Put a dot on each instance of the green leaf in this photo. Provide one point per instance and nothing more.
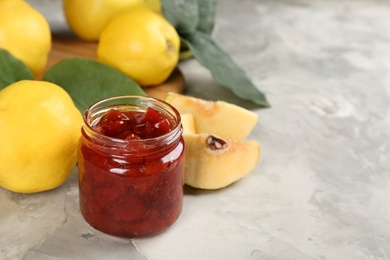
(88, 81)
(194, 21)
(207, 10)
(223, 69)
(182, 14)
(12, 69)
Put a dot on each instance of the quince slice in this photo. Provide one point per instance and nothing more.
(213, 162)
(216, 117)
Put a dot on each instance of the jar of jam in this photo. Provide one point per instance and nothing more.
(131, 165)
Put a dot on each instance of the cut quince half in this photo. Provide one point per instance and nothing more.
(213, 162)
(216, 117)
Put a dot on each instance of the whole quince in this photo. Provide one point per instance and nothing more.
(25, 33)
(40, 129)
(141, 44)
(87, 18)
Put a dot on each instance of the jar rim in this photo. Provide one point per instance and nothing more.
(143, 102)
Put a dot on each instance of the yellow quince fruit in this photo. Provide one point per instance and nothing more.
(25, 33)
(87, 18)
(40, 129)
(141, 44)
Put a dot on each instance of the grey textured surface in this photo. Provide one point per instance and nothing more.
(321, 190)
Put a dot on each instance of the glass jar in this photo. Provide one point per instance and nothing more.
(130, 188)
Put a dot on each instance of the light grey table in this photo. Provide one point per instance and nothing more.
(322, 187)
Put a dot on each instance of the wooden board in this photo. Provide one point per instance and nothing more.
(64, 47)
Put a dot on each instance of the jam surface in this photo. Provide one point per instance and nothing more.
(131, 195)
(133, 125)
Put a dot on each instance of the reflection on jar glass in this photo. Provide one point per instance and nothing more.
(131, 165)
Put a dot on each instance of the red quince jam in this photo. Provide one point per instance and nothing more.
(133, 125)
(131, 189)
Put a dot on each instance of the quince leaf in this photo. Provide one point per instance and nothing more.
(88, 81)
(194, 21)
(190, 15)
(182, 14)
(223, 69)
(12, 69)
(207, 10)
